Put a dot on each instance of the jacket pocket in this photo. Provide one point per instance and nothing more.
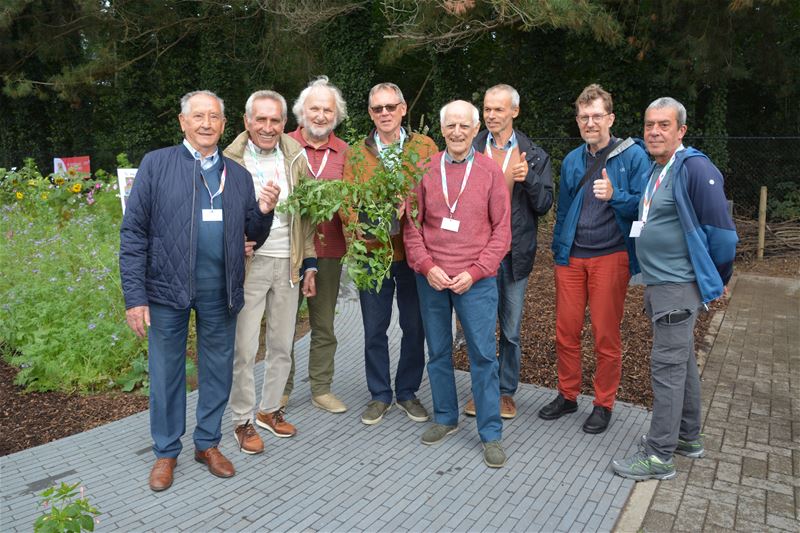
(155, 258)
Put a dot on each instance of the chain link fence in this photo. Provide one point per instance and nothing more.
(747, 163)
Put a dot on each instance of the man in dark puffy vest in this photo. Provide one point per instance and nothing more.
(181, 248)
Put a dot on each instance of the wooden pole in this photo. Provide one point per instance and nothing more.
(762, 222)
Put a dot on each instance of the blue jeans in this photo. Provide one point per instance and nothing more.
(376, 313)
(479, 326)
(169, 328)
(511, 300)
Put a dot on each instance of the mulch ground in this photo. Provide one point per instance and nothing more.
(31, 419)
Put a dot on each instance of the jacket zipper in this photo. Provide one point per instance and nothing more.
(291, 217)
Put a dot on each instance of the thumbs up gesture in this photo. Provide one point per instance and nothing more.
(602, 188)
(520, 169)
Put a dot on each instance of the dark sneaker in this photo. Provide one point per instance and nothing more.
(693, 449)
(508, 409)
(414, 410)
(558, 408)
(374, 412)
(641, 466)
(436, 433)
(493, 454)
(598, 420)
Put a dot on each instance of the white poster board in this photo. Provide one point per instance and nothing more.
(125, 177)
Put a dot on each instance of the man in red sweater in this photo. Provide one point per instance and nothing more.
(455, 244)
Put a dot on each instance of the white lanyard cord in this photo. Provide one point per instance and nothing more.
(221, 186)
(321, 166)
(508, 154)
(463, 185)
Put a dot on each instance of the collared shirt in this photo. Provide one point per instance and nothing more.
(449, 159)
(381, 146)
(205, 162)
(332, 244)
(511, 143)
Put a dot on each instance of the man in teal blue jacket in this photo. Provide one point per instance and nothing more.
(685, 243)
(599, 191)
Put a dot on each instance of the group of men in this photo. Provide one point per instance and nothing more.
(200, 232)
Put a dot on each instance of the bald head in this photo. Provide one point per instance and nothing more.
(460, 122)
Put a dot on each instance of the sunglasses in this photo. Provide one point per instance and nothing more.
(378, 109)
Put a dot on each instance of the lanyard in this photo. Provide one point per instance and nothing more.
(221, 186)
(508, 153)
(321, 166)
(258, 164)
(463, 185)
(648, 199)
(381, 146)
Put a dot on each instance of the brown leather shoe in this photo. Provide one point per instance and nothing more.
(216, 462)
(508, 409)
(275, 423)
(248, 439)
(161, 474)
(469, 409)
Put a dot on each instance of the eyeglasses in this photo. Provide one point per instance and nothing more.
(378, 109)
(584, 119)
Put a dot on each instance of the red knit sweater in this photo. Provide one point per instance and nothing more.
(483, 211)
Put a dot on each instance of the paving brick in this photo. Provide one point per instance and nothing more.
(751, 510)
(665, 500)
(720, 514)
(783, 523)
(754, 468)
(729, 472)
(691, 514)
(653, 521)
(780, 504)
(701, 476)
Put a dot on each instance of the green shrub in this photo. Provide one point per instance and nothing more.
(61, 308)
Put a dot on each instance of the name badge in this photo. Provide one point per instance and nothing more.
(636, 228)
(450, 224)
(212, 215)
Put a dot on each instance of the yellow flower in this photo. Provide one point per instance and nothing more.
(59, 180)
(44, 196)
(20, 196)
(76, 188)
(31, 183)
(72, 171)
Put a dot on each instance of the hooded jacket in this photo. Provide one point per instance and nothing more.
(303, 255)
(626, 166)
(707, 226)
(530, 199)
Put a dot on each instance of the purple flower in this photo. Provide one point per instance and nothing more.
(92, 325)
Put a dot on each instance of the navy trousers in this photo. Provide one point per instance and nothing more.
(169, 329)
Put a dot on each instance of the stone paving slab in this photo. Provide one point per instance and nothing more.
(749, 479)
(340, 475)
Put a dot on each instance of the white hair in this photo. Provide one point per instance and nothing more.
(668, 102)
(268, 95)
(512, 92)
(186, 106)
(320, 83)
(475, 113)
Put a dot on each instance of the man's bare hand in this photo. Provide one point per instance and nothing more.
(520, 170)
(438, 280)
(309, 288)
(602, 188)
(461, 283)
(138, 317)
(268, 197)
(249, 248)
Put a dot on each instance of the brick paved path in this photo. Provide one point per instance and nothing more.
(340, 475)
(750, 477)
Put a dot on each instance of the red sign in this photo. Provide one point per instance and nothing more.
(62, 165)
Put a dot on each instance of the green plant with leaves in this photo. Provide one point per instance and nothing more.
(370, 207)
(66, 508)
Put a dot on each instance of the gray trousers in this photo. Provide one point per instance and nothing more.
(673, 309)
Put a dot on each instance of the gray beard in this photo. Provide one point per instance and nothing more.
(318, 134)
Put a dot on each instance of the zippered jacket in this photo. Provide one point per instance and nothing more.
(158, 236)
(626, 166)
(303, 254)
(530, 199)
(707, 226)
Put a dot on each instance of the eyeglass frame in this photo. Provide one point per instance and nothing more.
(584, 119)
(391, 108)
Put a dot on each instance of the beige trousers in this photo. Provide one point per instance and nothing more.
(267, 288)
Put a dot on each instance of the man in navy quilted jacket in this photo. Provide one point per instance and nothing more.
(181, 248)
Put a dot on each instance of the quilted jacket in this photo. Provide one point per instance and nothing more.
(158, 237)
